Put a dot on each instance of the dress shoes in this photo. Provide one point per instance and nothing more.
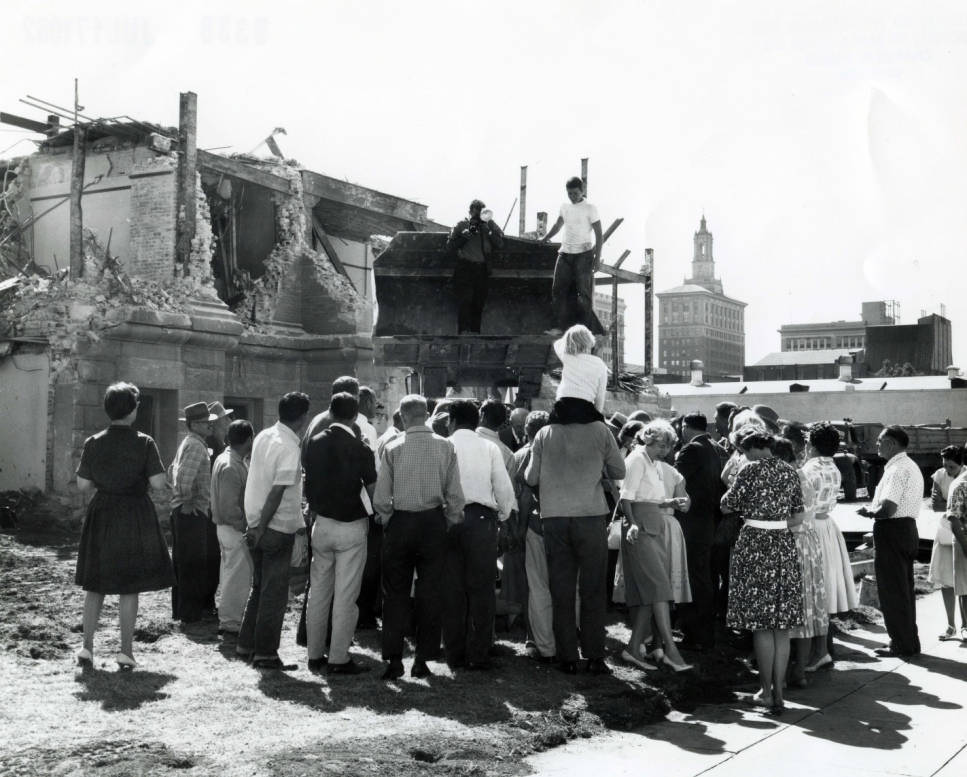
(420, 669)
(597, 666)
(568, 667)
(819, 663)
(394, 671)
(889, 652)
(349, 667)
(317, 664)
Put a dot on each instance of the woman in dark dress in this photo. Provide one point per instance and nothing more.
(765, 577)
(122, 550)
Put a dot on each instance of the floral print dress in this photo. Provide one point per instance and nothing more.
(815, 616)
(765, 575)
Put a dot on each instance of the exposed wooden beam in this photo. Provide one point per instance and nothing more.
(320, 234)
(621, 259)
(27, 124)
(187, 174)
(244, 172)
(630, 277)
(610, 230)
(318, 185)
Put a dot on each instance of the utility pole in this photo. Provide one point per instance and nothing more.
(584, 174)
(77, 189)
(522, 224)
(187, 168)
(648, 270)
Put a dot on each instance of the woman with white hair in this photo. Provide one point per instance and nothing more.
(584, 378)
(651, 492)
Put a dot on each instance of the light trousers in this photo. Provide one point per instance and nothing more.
(234, 577)
(335, 577)
(540, 610)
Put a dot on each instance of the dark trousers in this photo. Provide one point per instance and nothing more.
(470, 282)
(370, 601)
(573, 289)
(213, 560)
(189, 553)
(895, 541)
(697, 619)
(470, 601)
(720, 557)
(413, 541)
(261, 627)
(577, 545)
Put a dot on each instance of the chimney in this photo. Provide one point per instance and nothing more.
(845, 368)
(698, 369)
(541, 223)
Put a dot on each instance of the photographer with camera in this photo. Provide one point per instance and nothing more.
(475, 241)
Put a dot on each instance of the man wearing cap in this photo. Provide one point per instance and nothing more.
(190, 503)
(577, 261)
(475, 241)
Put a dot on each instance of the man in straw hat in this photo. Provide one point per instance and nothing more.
(191, 500)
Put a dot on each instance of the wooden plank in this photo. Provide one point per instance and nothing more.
(446, 272)
(630, 277)
(323, 238)
(76, 245)
(187, 199)
(242, 171)
(318, 185)
(610, 230)
(27, 124)
(621, 259)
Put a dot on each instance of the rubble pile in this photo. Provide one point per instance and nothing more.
(290, 252)
(61, 312)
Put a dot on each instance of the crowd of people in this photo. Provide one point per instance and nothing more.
(687, 524)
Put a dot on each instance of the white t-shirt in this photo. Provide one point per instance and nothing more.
(276, 461)
(584, 376)
(578, 218)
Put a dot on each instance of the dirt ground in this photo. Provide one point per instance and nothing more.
(191, 708)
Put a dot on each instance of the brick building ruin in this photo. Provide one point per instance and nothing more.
(203, 277)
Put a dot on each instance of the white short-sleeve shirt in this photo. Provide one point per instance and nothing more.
(276, 461)
(578, 218)
(902, 484)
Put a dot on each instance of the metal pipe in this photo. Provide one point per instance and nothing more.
(522, 223)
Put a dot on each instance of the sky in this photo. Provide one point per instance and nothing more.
(823, 141)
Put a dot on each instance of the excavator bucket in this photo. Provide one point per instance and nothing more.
(416, 322)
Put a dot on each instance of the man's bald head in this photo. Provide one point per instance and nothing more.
(518, 417)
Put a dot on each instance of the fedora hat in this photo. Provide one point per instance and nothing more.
(617, 420)
(767, 414)
(198, 412)
(218, 409)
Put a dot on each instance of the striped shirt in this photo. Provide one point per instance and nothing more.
(191, 476)
(825, 478)
(901, 484)
(419, 471)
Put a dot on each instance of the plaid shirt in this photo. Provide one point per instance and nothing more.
(902, 484)
(825, 478)
(191, 476)
(419, 472)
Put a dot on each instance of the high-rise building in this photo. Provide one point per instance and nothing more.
(697, 321)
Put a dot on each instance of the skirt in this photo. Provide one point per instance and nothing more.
(942, 564)
(677, 561)
(960, 570)
(815, 616)
(122, 549)
(838, 573)
(646, 568)
(765, 581)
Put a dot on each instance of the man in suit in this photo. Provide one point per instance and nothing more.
(698, 461)
(513, 435)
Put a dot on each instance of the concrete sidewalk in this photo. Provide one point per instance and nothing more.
(868, 716)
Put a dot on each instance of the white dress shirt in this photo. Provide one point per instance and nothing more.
(276, 460)
(483, 475)
(902, 484)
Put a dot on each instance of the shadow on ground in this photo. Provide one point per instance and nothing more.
(118, 691)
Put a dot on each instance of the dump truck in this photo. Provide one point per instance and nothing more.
(926, 442)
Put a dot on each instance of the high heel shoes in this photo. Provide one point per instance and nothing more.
(639, 662)
(125, 663)
(677, 667)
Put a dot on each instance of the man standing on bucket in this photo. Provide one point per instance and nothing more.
(577, 260)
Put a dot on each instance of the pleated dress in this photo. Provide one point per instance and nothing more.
(122, 549)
